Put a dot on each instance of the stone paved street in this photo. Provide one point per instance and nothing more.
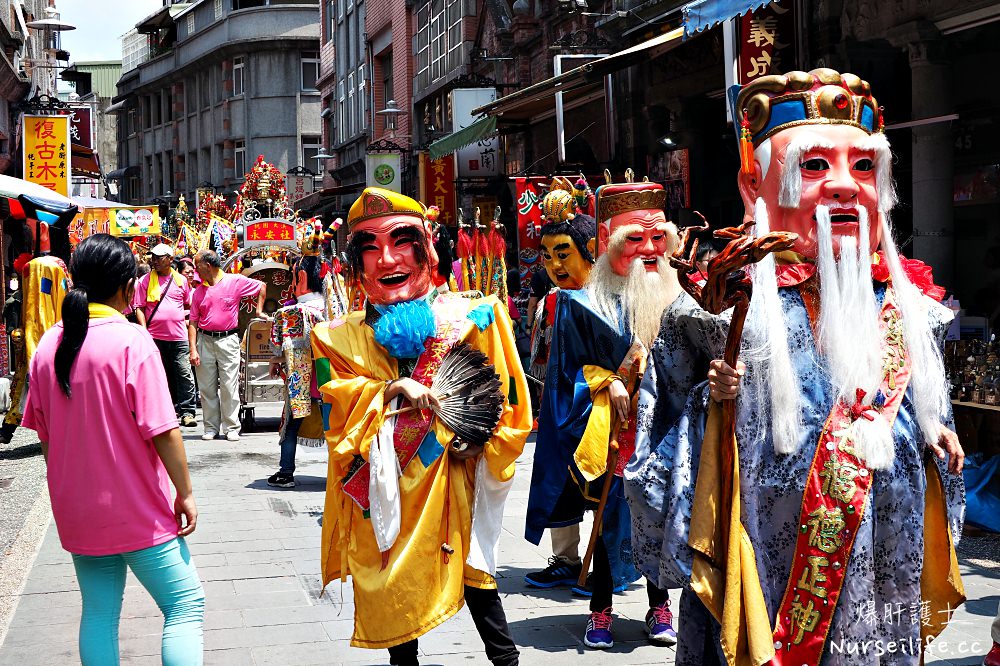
(257, 550)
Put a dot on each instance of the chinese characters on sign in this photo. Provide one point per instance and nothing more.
(481, 159)
(437, 182)
(46, 152)
(298, 186)
(767, 42)
(529, 221)
(81, 126)
(134, 221)
(269, 231)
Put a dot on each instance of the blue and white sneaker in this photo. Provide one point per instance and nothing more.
(586, 591)
(557, 573)
(598, 635)
(659, 624)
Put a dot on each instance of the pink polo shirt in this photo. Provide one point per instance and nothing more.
(169, 323)
(216, 307)
(110, 492)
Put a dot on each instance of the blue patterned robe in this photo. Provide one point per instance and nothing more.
(581, 337)
(880, 599)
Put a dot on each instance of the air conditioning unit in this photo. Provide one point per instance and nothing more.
(19, 67)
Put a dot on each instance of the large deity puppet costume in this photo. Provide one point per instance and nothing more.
(845, 498)
(421, 541)
(602, 334)
(568, 245)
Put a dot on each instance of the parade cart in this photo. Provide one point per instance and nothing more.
(267, 252)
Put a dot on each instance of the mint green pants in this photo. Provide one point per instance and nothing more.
(167, 573)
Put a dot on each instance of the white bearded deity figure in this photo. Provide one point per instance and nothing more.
(847, 472)
(602, 335)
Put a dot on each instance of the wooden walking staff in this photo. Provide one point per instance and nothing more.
(609, 476)
(728, 285)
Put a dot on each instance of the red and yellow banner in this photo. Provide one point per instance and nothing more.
(46, 152)
(832, 507)
(529, 222)
(437, 186)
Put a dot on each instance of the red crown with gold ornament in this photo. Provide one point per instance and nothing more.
(617, 198)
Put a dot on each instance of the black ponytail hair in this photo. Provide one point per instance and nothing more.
(313, 267)
(100, 266)
(443, 247)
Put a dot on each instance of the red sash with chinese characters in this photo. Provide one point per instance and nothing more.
(411, 427)
(832, 508)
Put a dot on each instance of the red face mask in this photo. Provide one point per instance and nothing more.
(841, 178)
(393, 272)
(646, 244)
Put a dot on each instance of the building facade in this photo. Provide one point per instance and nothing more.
(225, 81)
(26, 68)
(659, 107)
(95, 86)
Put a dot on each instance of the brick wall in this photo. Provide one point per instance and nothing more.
(383, 14)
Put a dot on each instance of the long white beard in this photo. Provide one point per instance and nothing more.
(765, 351)
(637, 299)
(849, 335)
(850, 341)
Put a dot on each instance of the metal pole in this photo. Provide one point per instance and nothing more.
(609, 117)
(560, 127)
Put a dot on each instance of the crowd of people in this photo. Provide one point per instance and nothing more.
(775, 441)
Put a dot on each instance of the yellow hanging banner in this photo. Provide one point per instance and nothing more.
(46, 152)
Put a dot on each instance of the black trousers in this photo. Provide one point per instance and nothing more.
(180, 380)
(487, 613)
(603, 587)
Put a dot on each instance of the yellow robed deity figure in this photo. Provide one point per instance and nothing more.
(44, 288)
(412, 514)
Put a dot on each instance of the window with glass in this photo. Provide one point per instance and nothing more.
(191, 95)
(341, 100)
(238, 74)
(310, 149)
(206, 89)
(387, 92)
(240, 158)
(218, 9)
(439, 40)
(362, 98)
(352, 109)
(310, 69)
(330, 14)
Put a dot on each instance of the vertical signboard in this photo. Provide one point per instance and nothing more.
(383, 171)
(298, 185)
(529, 222)
(81, 126)
(437, 182)
(481, 159)
(767, 42)
(46, 152)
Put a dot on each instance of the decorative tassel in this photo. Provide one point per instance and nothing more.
(746, 148)
(498, 248)
(872, 440)
(447, 551)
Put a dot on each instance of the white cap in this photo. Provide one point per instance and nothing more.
(162, 250)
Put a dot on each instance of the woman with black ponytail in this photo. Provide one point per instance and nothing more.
(112, 452)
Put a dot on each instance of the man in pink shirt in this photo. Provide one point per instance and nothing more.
(162, 298)
(215, 345)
